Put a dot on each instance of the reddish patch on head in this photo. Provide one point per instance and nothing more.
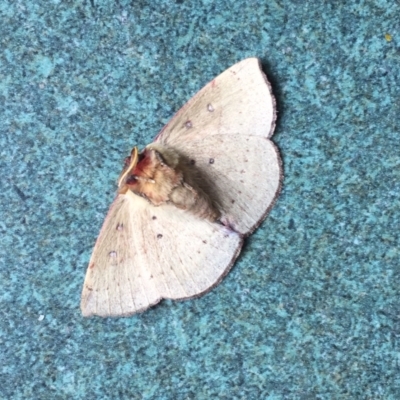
(213, 83)
(143, 163)
(140, 169)
(91, 266)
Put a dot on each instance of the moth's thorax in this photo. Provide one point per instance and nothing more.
(162, 176)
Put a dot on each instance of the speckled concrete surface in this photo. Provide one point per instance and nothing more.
(312, 309)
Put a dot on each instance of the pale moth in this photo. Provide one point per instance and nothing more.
(186, 202)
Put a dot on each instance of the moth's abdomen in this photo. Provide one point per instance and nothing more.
(195, 201)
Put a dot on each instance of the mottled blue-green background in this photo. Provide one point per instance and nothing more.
(311, 309)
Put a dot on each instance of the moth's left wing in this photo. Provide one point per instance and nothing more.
(146, 253)
(116, 284)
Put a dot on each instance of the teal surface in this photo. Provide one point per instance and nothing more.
(311, 310)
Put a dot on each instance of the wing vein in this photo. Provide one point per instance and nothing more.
(173, 270)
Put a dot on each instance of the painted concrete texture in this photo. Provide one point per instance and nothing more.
(311, 309)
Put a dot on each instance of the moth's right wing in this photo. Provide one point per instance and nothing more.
(146, 253)
(224, 130)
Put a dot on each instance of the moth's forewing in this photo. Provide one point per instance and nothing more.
(116, 283)
(231, 119)
(146, 253)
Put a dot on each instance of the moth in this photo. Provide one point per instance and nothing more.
(186, 202)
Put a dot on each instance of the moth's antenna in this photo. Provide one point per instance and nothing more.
(131, 166)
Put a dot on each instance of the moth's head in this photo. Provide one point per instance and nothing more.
(127, 172)
(142, 167)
